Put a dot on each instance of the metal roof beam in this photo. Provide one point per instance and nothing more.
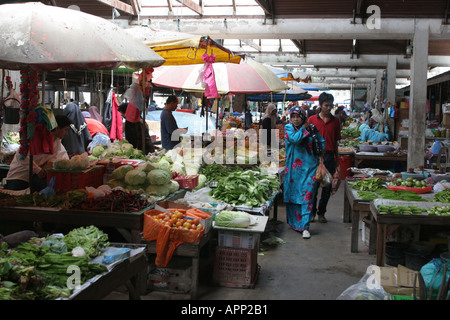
(306, 29)
(119, 5)
(191, 5)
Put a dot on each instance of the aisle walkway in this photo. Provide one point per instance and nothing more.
(319, 268)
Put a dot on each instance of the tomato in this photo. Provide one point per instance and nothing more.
(195, 221)
(187, 225)
(179, 223)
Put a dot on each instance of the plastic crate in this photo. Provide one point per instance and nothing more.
(176, 277)
(236, 268)
(66, 180)
(239, 240)
(187, 182)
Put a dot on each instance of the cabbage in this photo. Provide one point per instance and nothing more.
(146, 166)
(201, 181)
(173, 186)
(232, 219)
(163, 163)
(126, 147)
(161, 190)
(120, 172)
(79, 162)
(135, 177)
(136, 188)
(61, 164)
(98, 150)
(159, 177)
(116, 183)
(192, 168)
(178, 167)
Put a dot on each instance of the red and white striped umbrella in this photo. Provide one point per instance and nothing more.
(246, 77)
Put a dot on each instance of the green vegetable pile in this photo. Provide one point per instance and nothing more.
(410, 182)
(351, 132)
(248, 187)
(215, 172)
(442, 196)
(439, 211)
(404, 195)
(36, 271)
(402, 210)
(91, 239)
(121, 149)
(369, 184)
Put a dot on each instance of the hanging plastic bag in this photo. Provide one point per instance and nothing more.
(327, 178)
(336, 181)
(320, 172)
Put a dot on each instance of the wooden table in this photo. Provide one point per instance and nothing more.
(360, 158)
(191, 250)
(125, 271)
(129, 224)
(383, 220)
(354, 210)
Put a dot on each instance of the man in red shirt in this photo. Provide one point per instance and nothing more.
(329, 127)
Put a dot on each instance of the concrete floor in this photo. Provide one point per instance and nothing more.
(319, 268)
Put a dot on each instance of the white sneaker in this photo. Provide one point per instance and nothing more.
(306, 234)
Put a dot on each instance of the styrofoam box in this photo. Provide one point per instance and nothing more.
(241, 240)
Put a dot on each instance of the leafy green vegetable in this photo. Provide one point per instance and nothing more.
(159, 177)
(201, 181)
(369, 184)
(232, 219)
(248, 188)
(158, 190)
(120, 172)
(61, 164)
(98, 150)
(135, 177)
(90, 238)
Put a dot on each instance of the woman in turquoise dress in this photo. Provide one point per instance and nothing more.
(302, 159)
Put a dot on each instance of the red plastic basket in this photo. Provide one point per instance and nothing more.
(187, 182)
(236, 268)
(66, 180)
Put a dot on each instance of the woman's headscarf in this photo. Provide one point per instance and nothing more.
(268, 114)
(300, 111)
(86, 114)
(93, 110)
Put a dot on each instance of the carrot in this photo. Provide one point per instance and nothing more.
(198, 213)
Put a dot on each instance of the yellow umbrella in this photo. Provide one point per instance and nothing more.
(179, 48)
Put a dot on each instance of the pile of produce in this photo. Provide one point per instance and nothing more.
(350, 132)
(121, 149)
(234, 219)
(439, 211)
(37, 269)
(151, 179)
(179, 220)
(369, 184)
(247, 187)
(442, 196)
(409, 182)
(77, 162)
(115, 201)
(399, 209)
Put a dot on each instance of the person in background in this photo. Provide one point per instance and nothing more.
(169, 126)
(95, 114)
(18, 176)
(341, 114)
(299, 184)
(269, 122)
(329, 127)
(98, 131)
(135, 130)
(78, 138)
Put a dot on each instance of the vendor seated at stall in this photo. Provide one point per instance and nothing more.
(98, 131)
(19, 173)
(370, 131)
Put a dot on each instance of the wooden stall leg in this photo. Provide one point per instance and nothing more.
(373, 235)
(381, 243)
(195, 270)
(355, 231)
(347, 210)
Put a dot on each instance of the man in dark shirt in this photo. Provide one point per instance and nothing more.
(329, 127)
(169, 124)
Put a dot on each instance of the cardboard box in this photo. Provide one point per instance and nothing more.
(446, 119)
(398, 281)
